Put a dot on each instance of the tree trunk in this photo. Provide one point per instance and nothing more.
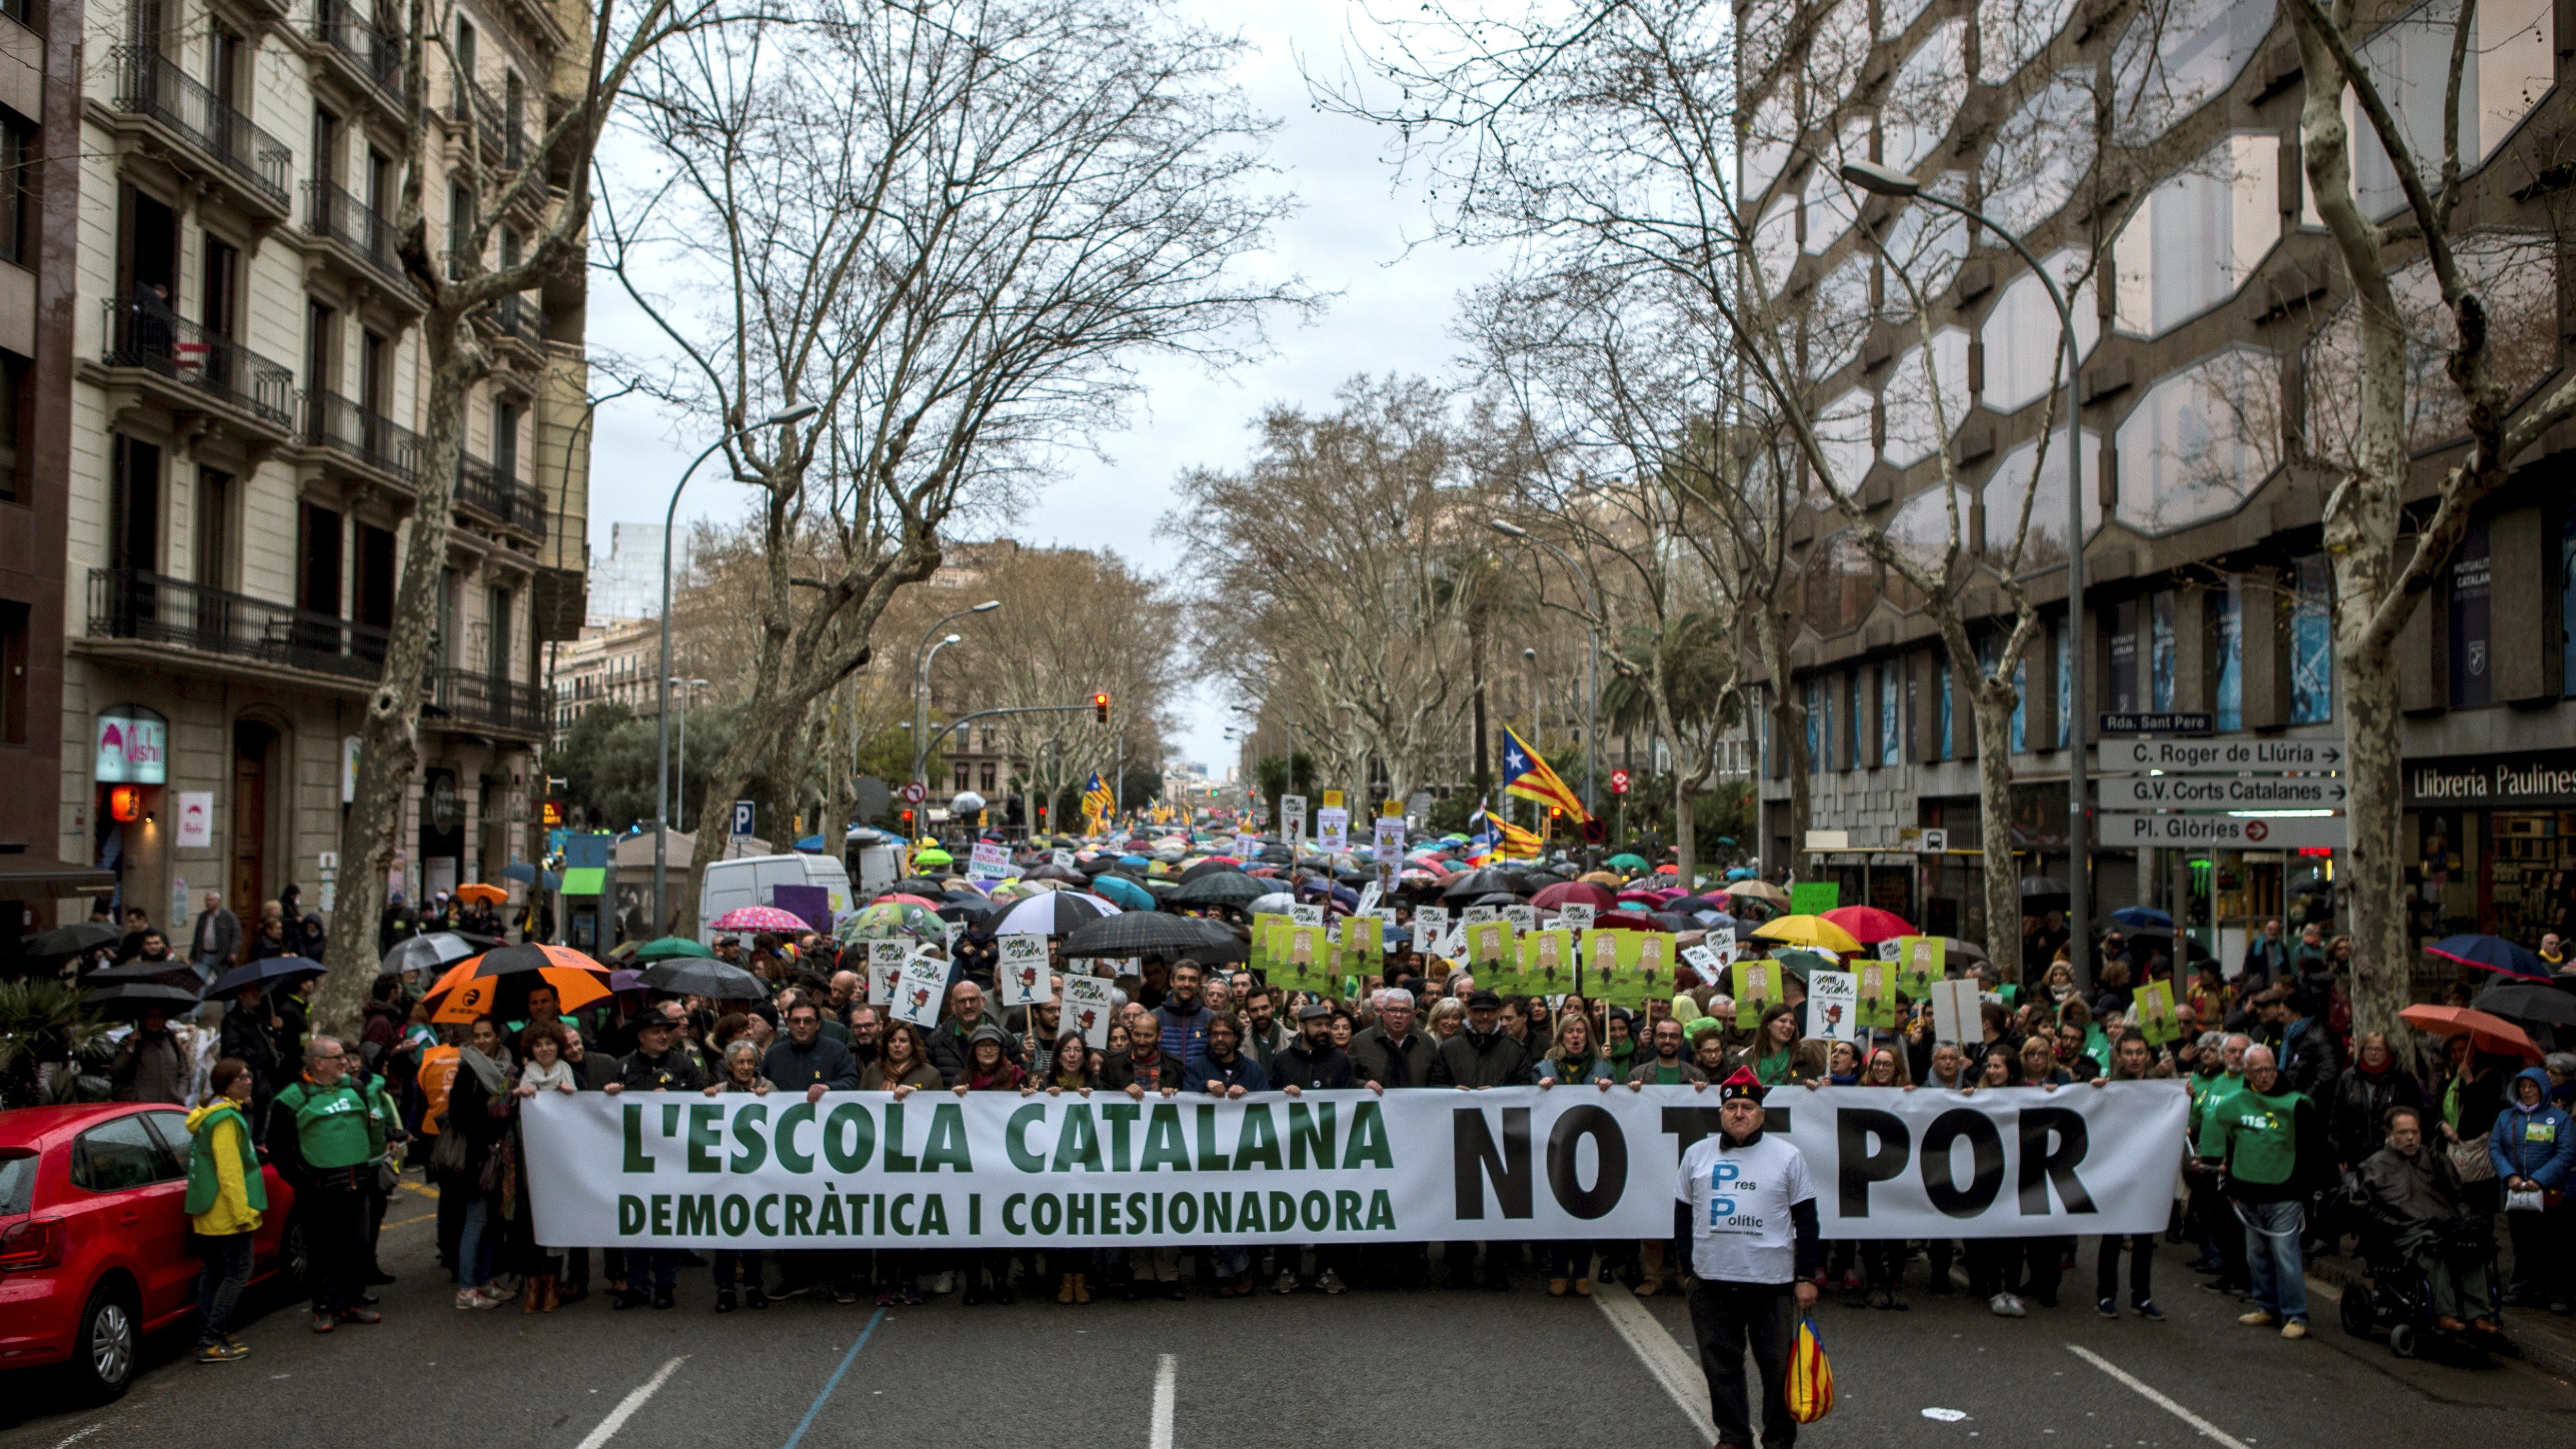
(2374, 864)
(1991, 703)
(1684, 835)
(389, 734)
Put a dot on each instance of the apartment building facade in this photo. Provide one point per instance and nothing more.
(245, 389)
(2158, 152)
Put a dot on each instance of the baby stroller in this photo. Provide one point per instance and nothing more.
(2399, 1298)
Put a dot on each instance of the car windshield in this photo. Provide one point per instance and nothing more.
(17, 1183)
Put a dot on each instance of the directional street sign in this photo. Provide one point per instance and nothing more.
(2227, 832)
(2223, 756)
(2166, 722)
(2223, 792)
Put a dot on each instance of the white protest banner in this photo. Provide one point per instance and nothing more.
(1454, 944)
(1089, 1007)
(885, 962)
(990, 860)
(1306, 915)
(918, 989)
(1524, 919)
(1022, 971)
(1955, 1013)
(1332, 829)
(994, 1170)
(1576, 917)
(1833, 1006)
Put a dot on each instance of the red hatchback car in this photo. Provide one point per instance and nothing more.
(94, 1242)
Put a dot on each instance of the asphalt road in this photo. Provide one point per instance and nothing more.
(1377, 1369)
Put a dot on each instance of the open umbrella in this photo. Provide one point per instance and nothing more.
(1625, 861)
(721, 980)
(2528, 1001)
(1869, 924)
(1760, 890)
(434, 952)
(1627, 920)
(481, 893)
(169, 971)
(1800, 961)
(1274, 904)
(893, 921)
(1052, 871)
(759, 918)
(906, 898)
(2490, 953)
(1157, 934)
(1124, 892)
(1811, 931)
(1483, 882)
(1053, 914)
(1218, 888)
(134, 998)
(2486, 1032)
(921, 885)
(933, 856)
(498, 982)
(2040, 886)
(69, 940)
(2143, 918)
(264, 972)
(1574, 893)
(520, 870)
(670, 947)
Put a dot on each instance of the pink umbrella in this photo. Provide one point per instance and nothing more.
(1573, 893)
(761, 918)
(901, 899)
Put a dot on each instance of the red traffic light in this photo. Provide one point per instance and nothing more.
(1100, 706)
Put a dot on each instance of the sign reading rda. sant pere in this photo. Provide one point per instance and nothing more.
(999, 1170)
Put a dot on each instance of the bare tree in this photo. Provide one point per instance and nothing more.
(453, 261)
(951, 227)
(2441, 355)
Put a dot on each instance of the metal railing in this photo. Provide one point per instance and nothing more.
(331, 212)
(363, 435)
(155, 86)
(519, 315)
(505, 137)
(158, 609)
(473, 697)
(500, 495)
(377, 51)
(146, 334)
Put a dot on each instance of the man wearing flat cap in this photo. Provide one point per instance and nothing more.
(1745, 1211)
(1482, 1056)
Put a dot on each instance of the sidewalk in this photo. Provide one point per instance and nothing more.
(2533, 1335)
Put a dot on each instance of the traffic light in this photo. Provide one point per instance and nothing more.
(907, 821)
(1100, 706)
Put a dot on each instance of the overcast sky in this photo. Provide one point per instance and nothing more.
(1389, 312)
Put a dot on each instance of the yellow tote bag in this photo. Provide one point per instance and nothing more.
(1810, 1389)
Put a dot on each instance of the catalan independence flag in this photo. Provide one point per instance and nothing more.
(1517, 843)
(1097, 801)
(1527, 775)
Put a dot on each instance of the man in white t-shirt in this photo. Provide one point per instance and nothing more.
(1745, 1212)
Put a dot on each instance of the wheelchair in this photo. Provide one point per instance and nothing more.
(2399, 1299)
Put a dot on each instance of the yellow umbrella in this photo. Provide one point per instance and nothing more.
(1812, 931)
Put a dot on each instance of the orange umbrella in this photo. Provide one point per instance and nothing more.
(2486, 1031)
(482, 985)
(480, 894)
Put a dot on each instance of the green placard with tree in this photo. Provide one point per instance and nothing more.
(1877, 992)
(1814, 898)
(1305, 960)
(1757, 984)
(1920, 961)
(1547, 962)
(2155, 1011)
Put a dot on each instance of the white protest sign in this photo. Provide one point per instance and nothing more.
(1304, 915)
(1955, 1015)
(1368, 899)
(1833, 1006)
(1436, 916)
(1292, 821)
(1247, 847)
(1089, 1004)
(1576, 917)
(1063, 859)
(917, 990)
(1891, 948)
(990, 860)
(1705, 962)
(1022, 972)
(1721, 937)
(1478, 915)
(885, 962)
(1389, 935)
(1333, 829)
(1524, 919)
(1388, 842)
(1426, 936)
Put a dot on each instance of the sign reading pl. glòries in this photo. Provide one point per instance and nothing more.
(2224, 832)
(2545, 777)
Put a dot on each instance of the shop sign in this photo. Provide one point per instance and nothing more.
(2535, 778)
(132, 745)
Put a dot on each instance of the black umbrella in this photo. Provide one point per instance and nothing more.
(2528, 1001)
(920, 885)
(1206, 868)
(1223, 887)
(1097, 864)
(1498, 898)
(1483, 882)
(1153, 933)
(134, 998)
(698, 976)
(1275, 855)
(265, 971)
(963, 909)
(2041, 885)
(1052, 871)
(169, 971)
(434, 952)
(1538, 880)
(69, 940)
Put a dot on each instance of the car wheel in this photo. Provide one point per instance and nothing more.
(107, 1347)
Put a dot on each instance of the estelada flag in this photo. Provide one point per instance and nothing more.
(1810, 1387)
(1527, 775)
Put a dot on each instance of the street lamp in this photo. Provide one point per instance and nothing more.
(680, 787)
(921, 653)
(1881, 181)
(662, 715)
(1591, 660)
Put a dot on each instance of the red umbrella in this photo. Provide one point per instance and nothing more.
(1574, 893)
(1869, 924)
(1628, 921)
(2486, 1031)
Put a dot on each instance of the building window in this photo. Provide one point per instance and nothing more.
(2065, 684)
(2160, 651)
(1890, 745)
(2200, 442)
(2121, 673)
(2312, 644)
(962, 769)
(2168, 64)
(317, 572)
(2472, 680)
(2196, 238)
(988, 777)
(1949, 731)
(2226, 615)
(13, 673)
(17, 190)
(1859, 718)
(17, 391)
(2511, 65)
(2023, 345)
(1815, 726)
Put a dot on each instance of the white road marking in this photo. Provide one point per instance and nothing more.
(2156, 1397)
(80, 1434)
(1672, 1366)
(627, 1406)
(1166, 1372)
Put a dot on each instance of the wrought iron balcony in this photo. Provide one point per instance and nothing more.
(362, 436)
(145, 334)
(372, 50)
(331, 213)
(521, 318)
(157, 609)
(505, 139)
(476, 699)
(153, 85)
(500, 496)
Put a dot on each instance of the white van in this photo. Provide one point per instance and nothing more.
(748, 881)
(876, 856)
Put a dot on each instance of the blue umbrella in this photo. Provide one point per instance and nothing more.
(811, 845)
(1123, 891)
(519, 870)
(1137, 862)
(2143, 918)
(2490, 953)
(1739, 873)
(263, 972)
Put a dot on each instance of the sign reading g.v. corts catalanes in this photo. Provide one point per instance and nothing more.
(1000, 1170)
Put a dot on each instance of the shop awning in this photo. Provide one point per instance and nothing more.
(28, 876)
(586, 881)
